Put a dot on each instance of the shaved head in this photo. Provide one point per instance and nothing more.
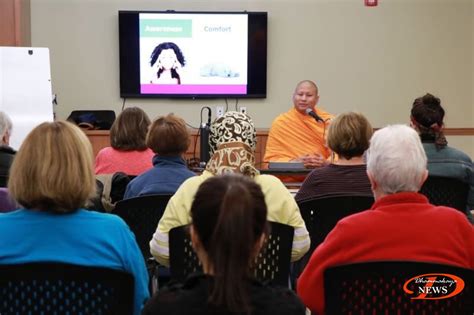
(307, 82)
(305, 96)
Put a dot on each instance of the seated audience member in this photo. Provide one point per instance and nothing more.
(427, 116)
(396, 227)
(128, 152)
(52, 227)
(6, 152)
(232, 141)
(295, 136)
(168, 138)
(348, 136)
(228, 229)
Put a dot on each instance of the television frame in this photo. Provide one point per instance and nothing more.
(129, 58)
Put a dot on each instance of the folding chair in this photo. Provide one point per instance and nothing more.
(272, 264)
(445, 191)
(383, 288)
(58, 288)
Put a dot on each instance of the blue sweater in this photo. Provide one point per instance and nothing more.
(83, 237)
(167, 174)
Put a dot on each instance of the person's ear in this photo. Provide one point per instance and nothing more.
(413, 123)
(373, 183)
(6, 138)
(317, 99)
(423, 179)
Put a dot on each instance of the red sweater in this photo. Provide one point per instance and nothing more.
(402, 226)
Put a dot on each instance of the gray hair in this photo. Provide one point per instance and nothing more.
(396, 159)
(5, 124)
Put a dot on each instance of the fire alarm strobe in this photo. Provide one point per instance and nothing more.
(371, 3)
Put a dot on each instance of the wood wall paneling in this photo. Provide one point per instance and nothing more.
(15, 23)
(100, 139)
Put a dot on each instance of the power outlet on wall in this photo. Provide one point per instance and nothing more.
(243, 109)
(219, 111)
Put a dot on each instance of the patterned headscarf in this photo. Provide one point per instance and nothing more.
(232, 142)
(232, 127)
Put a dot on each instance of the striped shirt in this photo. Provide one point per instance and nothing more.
(335, 181)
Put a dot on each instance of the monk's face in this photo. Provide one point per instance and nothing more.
(305, 96)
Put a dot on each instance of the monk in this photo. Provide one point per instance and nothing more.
(296, 136)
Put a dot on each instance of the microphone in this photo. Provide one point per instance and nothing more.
(311, 113)
(204, 130)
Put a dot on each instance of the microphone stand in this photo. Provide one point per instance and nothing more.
(204, 130)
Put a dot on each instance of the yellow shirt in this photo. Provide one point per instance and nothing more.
(282, 208)
(294, 134)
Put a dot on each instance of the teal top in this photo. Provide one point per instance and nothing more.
(83, 237)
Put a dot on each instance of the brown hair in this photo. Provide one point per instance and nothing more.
(53, 170)
(427, 114)
(128, 132)
(168, 136)
(229, 216)
(349, 135)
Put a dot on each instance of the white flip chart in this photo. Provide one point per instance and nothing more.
(25, 89)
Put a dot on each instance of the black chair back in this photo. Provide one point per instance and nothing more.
(321, 215)
(57, 288)
(445, 191)
(379, 288)
(142, 215)
(272, 264)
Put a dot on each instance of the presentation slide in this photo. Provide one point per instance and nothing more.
(193, 53)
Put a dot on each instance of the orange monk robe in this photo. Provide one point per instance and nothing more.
(294, 134)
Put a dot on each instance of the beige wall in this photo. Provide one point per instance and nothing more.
(373, 60)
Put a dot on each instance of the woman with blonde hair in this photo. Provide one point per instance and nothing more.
(128, 152)
(52, 178)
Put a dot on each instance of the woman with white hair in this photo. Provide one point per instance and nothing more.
(232, 140)
(398, 224)
(7, 153)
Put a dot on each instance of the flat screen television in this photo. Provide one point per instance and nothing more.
(193, 54)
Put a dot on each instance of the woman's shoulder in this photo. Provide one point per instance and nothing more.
(195, 181)
(276, 300)
(188, 188)
(445, 153)
(177, 298)
(148, 153)
(109, 154)
(267, 179)
(106, 151)
(458, 154)
(274, 190)
(102, 220)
